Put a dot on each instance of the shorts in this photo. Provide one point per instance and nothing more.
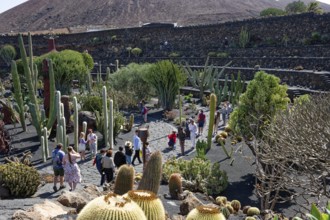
(58, 171)
(201, 124)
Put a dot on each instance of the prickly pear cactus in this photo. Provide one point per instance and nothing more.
(21, 180)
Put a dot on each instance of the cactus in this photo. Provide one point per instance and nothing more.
(52, 90)
(224, 210)
(113, 207)
(245, 209)
(36, 118)
(45, 136)
(253, 211)
(236, 205)
(111, 137)
(230, 208)
(221, 200)
(42, 141)
(149, 202)
(18, 94)
(213, 104)
(175, 185)
(75, 123)
(85, 127)
(244, 38)
(205, 213)
(124, 180)
(20, 179)
(152, 173)
(105, 117)
(131, 121)
(253, 218)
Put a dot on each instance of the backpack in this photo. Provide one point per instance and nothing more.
(56, 159)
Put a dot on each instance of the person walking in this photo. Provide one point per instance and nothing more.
(182, 137)
(98, 162)
(136, 147)
(216, 122)
(82, 146)
(201, 122)
(58, 158)
(92, 141)
(128, 152)
(193, 132)
(108, 166)
(71, 169)
(119, 158)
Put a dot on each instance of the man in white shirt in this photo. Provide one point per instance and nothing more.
(193, 132)
(92, 141)
(136, 147)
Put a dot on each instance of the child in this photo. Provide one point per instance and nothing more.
(172, 140)
(82, 146)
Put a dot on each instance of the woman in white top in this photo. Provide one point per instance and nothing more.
(193, 132)
(82, 146)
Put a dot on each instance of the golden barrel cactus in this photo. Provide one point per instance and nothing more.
(205, 213)
(111, 206)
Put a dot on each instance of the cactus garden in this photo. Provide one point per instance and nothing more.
(260, 155)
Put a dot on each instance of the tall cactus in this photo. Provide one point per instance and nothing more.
(36, 118)
(75, 123)
(84, 128)
(110, 137)
(213, 104)
(52, 90)
(45, 135)
(152, 173)
(18, 94)
(105, 116)
(124, 180)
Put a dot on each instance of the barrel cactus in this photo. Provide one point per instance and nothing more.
(253, 211)
(236, 205)
(20, 179)
(221, 200)
(175, 185)
(205, 213)
(224, 210)
(149, 202)
(113, 207)
(124, 180)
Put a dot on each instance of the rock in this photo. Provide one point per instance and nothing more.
(25, 215)
(72, 199)
(178, 217)
(43, 211)
(189, 204)
(65, 216)
(90, 192)
(4, 192)
(88, 117)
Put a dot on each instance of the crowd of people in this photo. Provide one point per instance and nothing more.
(66, 168)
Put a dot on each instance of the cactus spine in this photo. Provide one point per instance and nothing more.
(75, 123)
(205, 213)
(111, 125)
(36, 118)
(213, 103)
(124, 180)
(175, 185)
(113, 207)
(152, 173)
(105, 117)
(149, 202)
(18, 94)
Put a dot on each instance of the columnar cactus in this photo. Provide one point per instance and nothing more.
(152, 173)
(46, 149)
(131, 121)
(205, 213)
(52, 90)
(213, 103)
(85, 128)
(124, 180)
(18, 94)
(151, 205)
(110, 137)
(175, 185)
(113, 207)
(105, 116)
(42, 141)
(75, 123)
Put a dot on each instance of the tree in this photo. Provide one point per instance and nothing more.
(166, 78)
(272, 12)
(314, 7)
(264, 97)
(296, 7)
(7, 53)
(294, 153)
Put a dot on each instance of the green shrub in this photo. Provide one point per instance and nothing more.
(272, 12)
(136, 51)
(7, 53)
(91, 103)
(222, 55)
(88, 60)
(201, 147)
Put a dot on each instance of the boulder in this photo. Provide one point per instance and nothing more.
(4, 192)
(189, 203)
(43, 211)
(89, 118)
(90, 192)
(72, 199)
